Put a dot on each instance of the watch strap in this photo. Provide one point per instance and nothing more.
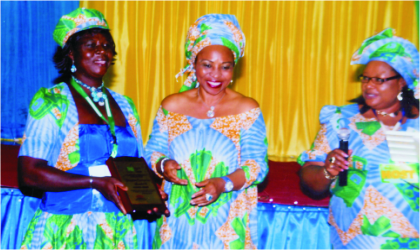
(228, 184)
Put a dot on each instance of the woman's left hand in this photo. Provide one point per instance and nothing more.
(209, 192)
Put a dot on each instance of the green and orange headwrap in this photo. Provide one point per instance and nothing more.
(76, 21)
(399, 53)
(211, 29)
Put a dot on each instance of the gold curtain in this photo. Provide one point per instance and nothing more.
(297, 55)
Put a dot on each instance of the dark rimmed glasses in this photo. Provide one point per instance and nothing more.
(377, 80)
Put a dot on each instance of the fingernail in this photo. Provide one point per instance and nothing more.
(192, 203)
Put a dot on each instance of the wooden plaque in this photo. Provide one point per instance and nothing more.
(143, 193)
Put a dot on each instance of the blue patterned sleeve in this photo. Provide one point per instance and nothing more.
(326, 139)
(157, 146)
(40, 139)
(254, 160)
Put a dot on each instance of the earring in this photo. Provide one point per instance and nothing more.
(73, 68)
(399, 96)
(231, 81)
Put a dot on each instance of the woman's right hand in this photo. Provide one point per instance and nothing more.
(336, 162)
(170, 172)
(108, 187)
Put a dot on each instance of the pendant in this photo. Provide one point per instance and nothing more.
(101, 103)
(94, 96)
(210, 113)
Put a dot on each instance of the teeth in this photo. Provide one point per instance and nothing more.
(214, 83)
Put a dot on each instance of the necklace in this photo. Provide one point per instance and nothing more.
(210, 113)
(97, 93)
(110, 121)
(396, 127)
(383, 113)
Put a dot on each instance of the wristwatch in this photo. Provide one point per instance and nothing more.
(228, 184)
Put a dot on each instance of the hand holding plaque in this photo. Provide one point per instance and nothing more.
(143, 194)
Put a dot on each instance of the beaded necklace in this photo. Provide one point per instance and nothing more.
(96, 93)
(110, 121)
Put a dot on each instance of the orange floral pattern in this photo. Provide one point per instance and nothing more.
(321, 144)
(231, 125)
(370, 142)
(203, 211)
(162, 120)
(238, 209)
(120, 245)
(375, 206)
(198, 47)
(165, 232)
(81, 19)
(107, 229)
(68, 147)
(237, 34)
(132, 121)
(178, 125)
(254, 170)
(56, 113)
(154, 159)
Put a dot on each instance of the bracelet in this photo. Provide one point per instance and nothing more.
(162, 163)
(328, 176)
(90, 182)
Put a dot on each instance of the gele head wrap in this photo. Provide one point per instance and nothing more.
(76, 21)
(399, 53)
(211, 29)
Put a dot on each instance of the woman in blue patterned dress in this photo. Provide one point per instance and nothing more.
(379, 206)
(72, 129)
(209, 144)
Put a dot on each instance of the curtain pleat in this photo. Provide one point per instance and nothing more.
(297, 55)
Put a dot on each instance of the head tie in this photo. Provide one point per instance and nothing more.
(212, 29)
(399, 53)
(76, 21)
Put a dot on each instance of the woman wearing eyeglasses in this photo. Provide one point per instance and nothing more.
(378, 207)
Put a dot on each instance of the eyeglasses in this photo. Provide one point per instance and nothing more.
(377, 80)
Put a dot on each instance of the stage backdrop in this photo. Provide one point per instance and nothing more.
(297, 55)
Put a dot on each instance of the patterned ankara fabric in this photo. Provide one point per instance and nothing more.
(370, 212)
(208, 148)
(76, 21)
(211, 29)
(399, 53)
(80, 218)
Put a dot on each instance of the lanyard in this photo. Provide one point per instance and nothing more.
(110, 120)
(396, 125)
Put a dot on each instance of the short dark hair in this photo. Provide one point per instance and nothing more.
(407, 102)
(61, 57)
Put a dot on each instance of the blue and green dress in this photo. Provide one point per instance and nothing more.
(379, 208)
(209, 148)
(83, 218)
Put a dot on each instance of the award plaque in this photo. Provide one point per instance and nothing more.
(143, 193)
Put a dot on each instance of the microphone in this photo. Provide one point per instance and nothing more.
(343, 135)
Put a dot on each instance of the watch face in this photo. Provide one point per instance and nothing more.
(228, 186)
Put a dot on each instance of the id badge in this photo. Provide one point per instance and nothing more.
(400, 173)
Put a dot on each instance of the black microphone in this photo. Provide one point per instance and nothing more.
(343, 135)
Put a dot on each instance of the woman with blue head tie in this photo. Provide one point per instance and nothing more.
(378, 207)
(208, 143)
